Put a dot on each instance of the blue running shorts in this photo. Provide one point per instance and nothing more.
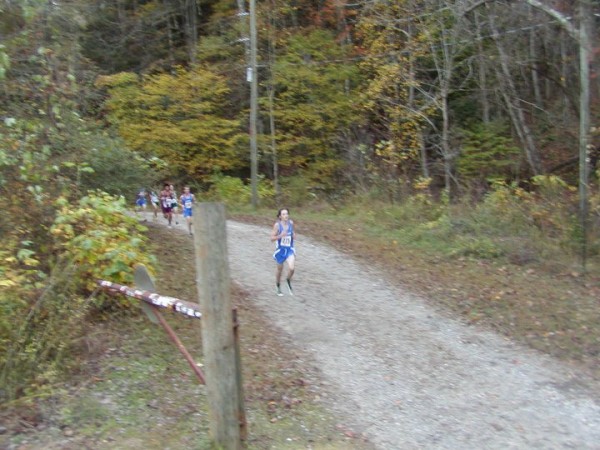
(283, 253)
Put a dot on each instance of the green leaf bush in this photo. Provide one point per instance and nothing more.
(43, 316)
(234, 192)
(102, 241)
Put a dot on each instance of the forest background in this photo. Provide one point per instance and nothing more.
(453, 128)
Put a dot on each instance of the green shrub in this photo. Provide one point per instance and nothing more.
(101, 241)
(299, 191)
(476, 247)
(527, 225)
(510, 223)
(233, 192)
(421, 207)
(488, 152)
(43, 315)
(105, 162)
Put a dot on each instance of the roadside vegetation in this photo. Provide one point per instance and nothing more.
(127, 386)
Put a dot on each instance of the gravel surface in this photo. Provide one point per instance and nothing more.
(405, 374)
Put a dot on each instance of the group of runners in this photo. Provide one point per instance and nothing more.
(283, 233)
(168, 203)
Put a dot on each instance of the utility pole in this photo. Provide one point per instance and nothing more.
(253, 75)
(252, 78)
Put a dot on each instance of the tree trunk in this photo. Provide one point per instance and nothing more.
(585, 59)
(170, 27)
(446, 150)
(274, 144)
(583, 37)
(509, 92)
(424, 158)
(534, 69)
(190, 14)
(271, 40)
(482, 74)
(564, 70)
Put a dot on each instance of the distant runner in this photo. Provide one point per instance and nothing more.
(166, 199)
(141, 200)
(187, 201)
(174, 205)
(155, 203)
(283, 235)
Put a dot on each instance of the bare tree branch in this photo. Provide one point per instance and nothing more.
(560, 17)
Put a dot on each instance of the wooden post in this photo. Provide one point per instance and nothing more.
(218, 343)
(240, 384)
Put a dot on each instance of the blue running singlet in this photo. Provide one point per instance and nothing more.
(187, 202)
(285, 245)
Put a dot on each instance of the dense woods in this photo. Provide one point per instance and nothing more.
(352, 96)
(427, 104)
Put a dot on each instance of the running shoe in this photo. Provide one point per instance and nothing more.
(278, 291)
(289, 285)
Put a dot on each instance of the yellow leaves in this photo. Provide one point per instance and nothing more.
(99, 239)
(31, 262)
(17, 267)
(62, 202)
(63, 232)
(385, 149)
(397, 151)
(552, 186)
(117, 80)
(422, 183)
(180, 117)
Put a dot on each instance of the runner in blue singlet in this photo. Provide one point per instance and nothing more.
(187, 200)
(141, 201)
(283, 235)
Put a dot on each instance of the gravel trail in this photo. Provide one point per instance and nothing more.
(407, 376)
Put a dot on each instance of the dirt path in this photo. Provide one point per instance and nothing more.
(408, 376)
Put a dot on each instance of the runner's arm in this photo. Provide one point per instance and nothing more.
(274, 235)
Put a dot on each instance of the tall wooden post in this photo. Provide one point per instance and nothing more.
(218, 342)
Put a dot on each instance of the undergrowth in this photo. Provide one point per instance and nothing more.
(50, 295)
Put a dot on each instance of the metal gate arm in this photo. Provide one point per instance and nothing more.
(186, 308)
